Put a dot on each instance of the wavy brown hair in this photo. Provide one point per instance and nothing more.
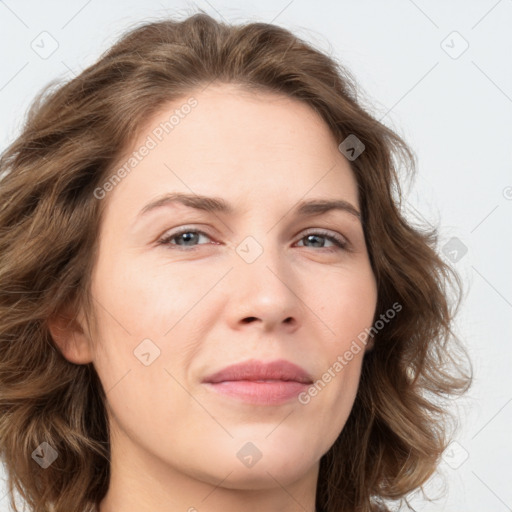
(49, 220)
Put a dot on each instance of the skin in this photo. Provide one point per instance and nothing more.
(174, 442)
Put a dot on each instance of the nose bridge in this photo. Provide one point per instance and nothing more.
(263, 283)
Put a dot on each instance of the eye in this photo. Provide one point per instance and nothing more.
(316, 237)
(192, 236)
(188, 237)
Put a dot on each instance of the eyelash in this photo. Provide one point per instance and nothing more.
(339, 242)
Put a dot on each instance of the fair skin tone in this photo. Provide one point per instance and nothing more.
(174, 442)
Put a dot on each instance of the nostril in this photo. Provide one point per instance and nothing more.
(249, 319)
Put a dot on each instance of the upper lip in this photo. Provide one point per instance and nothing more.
(260, 370)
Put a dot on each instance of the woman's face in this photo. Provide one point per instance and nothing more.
(258, 280)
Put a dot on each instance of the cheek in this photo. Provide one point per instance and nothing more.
(146, 314)
(149, 298)
(329, 400)
(347, 310)
(350, 304)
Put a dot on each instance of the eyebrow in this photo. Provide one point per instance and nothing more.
(217, 204)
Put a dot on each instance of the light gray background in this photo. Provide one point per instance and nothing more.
(453, 107)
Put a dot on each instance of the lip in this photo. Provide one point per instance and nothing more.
(254, 370)
(258, 382)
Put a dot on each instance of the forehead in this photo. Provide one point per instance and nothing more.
(240, 144)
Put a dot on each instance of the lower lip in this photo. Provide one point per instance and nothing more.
(265, 393)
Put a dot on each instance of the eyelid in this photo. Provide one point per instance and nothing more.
(325, 232)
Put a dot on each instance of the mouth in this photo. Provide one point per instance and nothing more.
(257, 382)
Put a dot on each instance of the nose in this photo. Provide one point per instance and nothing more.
(265, 294)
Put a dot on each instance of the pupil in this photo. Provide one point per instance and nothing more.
(188, 236)
(312, 237)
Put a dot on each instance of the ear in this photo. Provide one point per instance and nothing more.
(70, 336)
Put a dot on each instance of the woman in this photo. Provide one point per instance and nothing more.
(170, 339)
